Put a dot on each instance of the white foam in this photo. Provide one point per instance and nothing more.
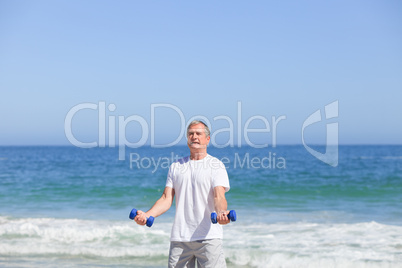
(248, 244)
(43, 236)
(315, 245)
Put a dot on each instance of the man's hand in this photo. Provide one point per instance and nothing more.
(141, 218)
(223, 217)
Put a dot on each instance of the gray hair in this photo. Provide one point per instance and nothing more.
(196, 122)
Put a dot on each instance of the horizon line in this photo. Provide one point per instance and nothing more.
(210, 146)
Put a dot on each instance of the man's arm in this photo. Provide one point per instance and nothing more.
(221, 205)
(161, 206)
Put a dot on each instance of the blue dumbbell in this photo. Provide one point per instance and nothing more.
(150, 220)
(232, 216)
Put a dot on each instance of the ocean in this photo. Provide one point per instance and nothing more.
(69, 207)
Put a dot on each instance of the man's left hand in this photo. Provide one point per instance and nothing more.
(223, 217)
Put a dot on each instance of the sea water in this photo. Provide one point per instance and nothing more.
(69, 207)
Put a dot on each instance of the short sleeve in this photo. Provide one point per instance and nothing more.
(169, 180)
(219, 175)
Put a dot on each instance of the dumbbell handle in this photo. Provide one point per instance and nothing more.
(231, 216)
(150, 220)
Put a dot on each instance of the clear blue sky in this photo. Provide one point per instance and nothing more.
(278, 58)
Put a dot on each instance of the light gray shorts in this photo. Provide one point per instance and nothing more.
(207, 254)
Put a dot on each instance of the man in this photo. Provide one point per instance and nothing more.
(199, 183)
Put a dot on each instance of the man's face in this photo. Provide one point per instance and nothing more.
(196, 137)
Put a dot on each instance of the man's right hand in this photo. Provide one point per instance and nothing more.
(141, 218)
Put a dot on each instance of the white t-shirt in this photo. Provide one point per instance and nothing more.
(193, 182)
